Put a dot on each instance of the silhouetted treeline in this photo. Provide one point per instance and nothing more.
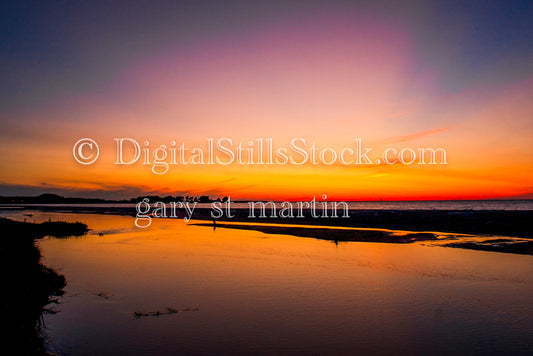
(57, 199)
(170, 198)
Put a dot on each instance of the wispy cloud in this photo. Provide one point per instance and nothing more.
(416, 135)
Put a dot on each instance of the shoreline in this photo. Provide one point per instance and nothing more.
(504, 231)
(338, 235)
(29, 285)
(334, 234)
(508, 223)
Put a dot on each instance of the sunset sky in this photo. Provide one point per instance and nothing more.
(450, 74)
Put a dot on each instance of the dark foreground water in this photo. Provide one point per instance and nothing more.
(245, 292)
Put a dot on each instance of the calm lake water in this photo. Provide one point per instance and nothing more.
(251, 293)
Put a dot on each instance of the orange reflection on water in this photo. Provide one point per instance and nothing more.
(278, 293)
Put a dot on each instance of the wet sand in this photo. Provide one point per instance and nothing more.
(521, 247)
(332, 234)
(340, 234)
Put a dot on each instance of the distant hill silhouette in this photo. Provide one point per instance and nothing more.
(48, 198)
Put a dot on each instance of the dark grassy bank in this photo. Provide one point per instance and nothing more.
(28, 286)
